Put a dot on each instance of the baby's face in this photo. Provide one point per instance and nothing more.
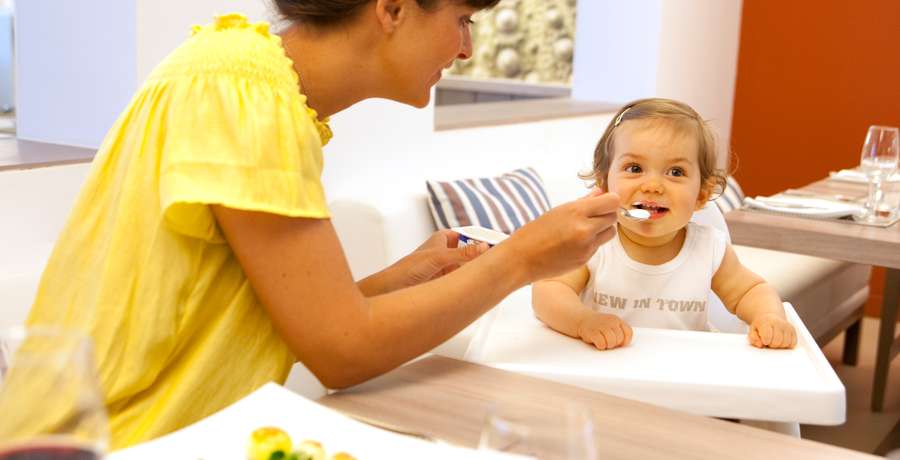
(655, 167)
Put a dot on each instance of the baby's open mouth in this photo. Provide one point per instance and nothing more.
(656, 211)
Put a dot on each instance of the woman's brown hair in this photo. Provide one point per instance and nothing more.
(679, 116)
(329, 12)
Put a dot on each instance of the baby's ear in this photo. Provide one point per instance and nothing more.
(602, 184)
(706, 192)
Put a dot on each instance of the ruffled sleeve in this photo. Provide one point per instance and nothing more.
(233, 136)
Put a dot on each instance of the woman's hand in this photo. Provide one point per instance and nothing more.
(772, 331)
(438, 255)
(565, 237)
(604, 331)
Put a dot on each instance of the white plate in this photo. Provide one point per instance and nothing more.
(803, 206)
(476, 233)
(859, 177)
(225, 434)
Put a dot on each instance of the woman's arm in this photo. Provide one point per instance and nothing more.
(754, 301)
(298, 270)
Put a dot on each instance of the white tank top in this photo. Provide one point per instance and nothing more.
(673, 295)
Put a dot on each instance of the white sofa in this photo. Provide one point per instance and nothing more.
(34, 204)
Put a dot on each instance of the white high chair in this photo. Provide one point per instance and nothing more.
(712, 374)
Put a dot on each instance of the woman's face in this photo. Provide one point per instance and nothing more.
(656, 168)
(426, 43)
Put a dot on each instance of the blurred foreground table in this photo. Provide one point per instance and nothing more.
(448, 399)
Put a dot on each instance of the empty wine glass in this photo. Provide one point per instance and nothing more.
(564, 432)
(879, 159)
(50, 400)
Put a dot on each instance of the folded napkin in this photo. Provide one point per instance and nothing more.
(855, 175)
(803, 206)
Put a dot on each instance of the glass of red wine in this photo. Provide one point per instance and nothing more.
(50, 400)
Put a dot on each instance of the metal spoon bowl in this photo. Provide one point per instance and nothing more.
(635, 214)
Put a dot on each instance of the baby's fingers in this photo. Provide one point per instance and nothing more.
(612, 340)
(766, 333)
(789, 337)
(777, 337)
(599, 341)
(619, 335)
(753, 337)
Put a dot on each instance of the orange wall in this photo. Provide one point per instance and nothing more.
(812, 76)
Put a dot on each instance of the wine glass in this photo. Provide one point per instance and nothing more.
(565, 431)
(879, 159)
(50, 400)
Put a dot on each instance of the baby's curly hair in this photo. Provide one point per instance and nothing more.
(680, 117)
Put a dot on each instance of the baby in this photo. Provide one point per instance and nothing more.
(658, 155)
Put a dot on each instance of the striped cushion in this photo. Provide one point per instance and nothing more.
(732, 197)
(502, 203)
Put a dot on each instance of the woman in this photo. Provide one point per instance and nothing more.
(200, 256)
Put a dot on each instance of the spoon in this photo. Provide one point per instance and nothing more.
(635, 214)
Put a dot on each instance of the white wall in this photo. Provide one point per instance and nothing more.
(698, 59)
(617, 46)
(79, 63)
(75, 68)
(7, 81)
(680, 49)
(685, 49)
(390, 141)
(163, 24)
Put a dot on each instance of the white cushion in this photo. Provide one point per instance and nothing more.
(789, 273)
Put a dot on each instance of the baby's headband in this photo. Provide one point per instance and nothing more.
(621, 114)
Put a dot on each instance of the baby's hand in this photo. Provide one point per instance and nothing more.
(604, 331)
(772, 331)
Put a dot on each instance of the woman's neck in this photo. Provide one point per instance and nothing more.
(334, 66)
(652, 251)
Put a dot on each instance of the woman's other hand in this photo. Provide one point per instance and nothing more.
(604, 331)
(566, 236)
(772, 331)
(438, 255)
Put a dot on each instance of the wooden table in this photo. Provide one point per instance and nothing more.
(835, 240)
(447, 399)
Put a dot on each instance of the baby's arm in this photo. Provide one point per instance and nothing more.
(754, 301)
(556, 302)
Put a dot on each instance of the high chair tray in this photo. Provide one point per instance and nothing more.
(705, 373)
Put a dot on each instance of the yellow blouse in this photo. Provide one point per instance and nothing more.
(141, 264)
